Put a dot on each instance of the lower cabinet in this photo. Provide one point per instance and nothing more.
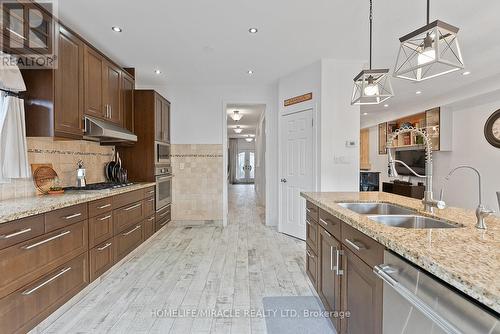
(102, 257)
(26, 307)
(362, 292)
(149, 227)
(312, 266)
(329, 273)
(128, 240)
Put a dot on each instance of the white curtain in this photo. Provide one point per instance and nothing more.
(232, 160)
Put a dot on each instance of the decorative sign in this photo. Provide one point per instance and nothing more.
(298, 99)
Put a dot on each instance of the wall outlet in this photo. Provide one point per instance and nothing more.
(351, 143)
(181, 166)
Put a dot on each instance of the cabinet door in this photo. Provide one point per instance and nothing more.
(68, 109)
(127, 101)
(362, 295)
(158, 118)
(165, 120)
(111, 87)
(329, 280)
(93, 75)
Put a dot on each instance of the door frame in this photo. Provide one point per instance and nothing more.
(316, 154)
(225, 200)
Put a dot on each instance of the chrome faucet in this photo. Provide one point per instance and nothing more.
(481, 211)
(429, 202)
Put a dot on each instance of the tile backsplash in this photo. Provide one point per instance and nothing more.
(197, 182)
(63, 155)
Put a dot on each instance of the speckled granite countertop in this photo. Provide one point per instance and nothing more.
(24, 207)
(466, 258)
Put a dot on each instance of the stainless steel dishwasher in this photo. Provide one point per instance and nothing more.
(417, 303)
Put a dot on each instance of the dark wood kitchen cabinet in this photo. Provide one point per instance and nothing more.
(127, 101)
(112, 93)
(162, 119)
(329, 274)
(94, 99)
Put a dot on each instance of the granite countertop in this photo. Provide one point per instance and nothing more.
(466, 258)
(18, 208)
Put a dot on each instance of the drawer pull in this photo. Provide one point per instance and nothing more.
(151, 200)
(104, 206)
(151, 219)
(353, 244)
(322, 221)
(308, 210)
(310, 255)
(73, 216)
(328, 234)
(164, 223)
(308, 222)
(132, 231)
(46, 240)
(132, 207)
(151, 192)
(15, 234)
(338, 254)
(164, 214)
(100, 249)
(62, 272)
(104, 218)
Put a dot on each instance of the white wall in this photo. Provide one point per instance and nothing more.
(469, 147)
(260, 160)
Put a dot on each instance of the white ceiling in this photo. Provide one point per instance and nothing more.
(207, 42)
(251, 114)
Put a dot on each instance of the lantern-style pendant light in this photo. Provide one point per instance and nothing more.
(428, 52)
(371, 86)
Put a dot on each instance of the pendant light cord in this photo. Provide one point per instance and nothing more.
(371, 30)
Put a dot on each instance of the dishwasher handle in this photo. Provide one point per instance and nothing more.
(383, 272)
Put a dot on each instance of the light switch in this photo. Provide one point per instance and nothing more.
(181, 166)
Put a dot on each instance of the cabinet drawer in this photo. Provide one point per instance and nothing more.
(26, 307)
(102, 258)
(149, 192)
(24, 262)
(128, 240)
(312, 266)
(127, 198)
(20, 230)
(312, 235)
(127, 216)
(64, 217)
(149, 227)
(330, 223)
(312, 211)
(100, 206)
(163, 217)
(100, 228)
(149, 206)
(363, 246)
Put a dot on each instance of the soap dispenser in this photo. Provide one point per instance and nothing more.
(80, 175)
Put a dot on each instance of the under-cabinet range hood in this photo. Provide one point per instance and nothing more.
(106, 132)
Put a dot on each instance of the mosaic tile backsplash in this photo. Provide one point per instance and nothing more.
(197, 182)
(64, 156)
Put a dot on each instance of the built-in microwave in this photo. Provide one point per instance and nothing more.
(162, 153)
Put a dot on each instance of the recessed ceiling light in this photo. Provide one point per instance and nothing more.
(466, 73)
(418, 92)
(253, 30)
(117, 29)
(365, 113)
(386, 105)
(250, 72)
(157, 72)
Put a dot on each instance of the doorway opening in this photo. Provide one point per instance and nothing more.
(246, 155)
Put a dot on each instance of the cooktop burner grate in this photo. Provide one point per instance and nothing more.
(101, 186)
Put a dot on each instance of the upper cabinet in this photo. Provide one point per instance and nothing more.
(127, 101)
(111, 93)
(162, 119)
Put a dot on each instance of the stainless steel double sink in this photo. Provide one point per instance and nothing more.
(396, 216)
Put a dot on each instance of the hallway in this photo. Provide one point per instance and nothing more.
(203, 267)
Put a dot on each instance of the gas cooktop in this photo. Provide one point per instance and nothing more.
(101, 186)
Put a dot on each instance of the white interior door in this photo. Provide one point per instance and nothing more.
(296, 171)
(245, 166)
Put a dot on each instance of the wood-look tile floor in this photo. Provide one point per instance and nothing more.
(201, 267)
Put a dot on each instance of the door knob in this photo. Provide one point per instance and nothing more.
(283, 180)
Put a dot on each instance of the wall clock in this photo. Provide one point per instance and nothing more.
(492, 129)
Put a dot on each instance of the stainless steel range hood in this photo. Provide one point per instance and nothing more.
(106, 132)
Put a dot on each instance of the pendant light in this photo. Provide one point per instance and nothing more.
(428, 52)
(371, 86)
(238, 129)
(236, 116)
(249, 139)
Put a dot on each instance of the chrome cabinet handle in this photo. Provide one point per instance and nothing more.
(132, 231)
(100, 249)
(151, 219)
(309, 254)
(328, 234)
(164, 178)
(73, 216)
(353, 245)
(104, 206)
(151, 200)
(382, 272)
(331, 259)
(164, 214)
(151, 192)
(338, 271)
(46, 240)
(15, 234)
(322, 221)
(164, 223)
(308, 222)
(110, 111)
(62, 272)
(104, 218)
(308, 210)
(132, 207)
